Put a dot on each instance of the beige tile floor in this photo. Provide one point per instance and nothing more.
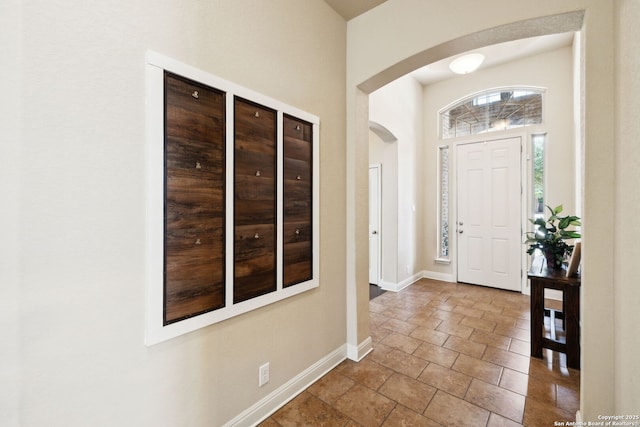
(443, 355)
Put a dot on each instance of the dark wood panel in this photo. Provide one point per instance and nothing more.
(254, 211)
(255, 261)
(259, 283)
(191, 125)
(297, 199)
(295, 273)
(188, 232)
(194, 199)
(254, 240)
(297, 232)
(200, 264)
(296, 128)
(195, 119)
(254, 200)
(297, 263)
(297, 170)
(251, 187)
(255, 126)
(256, 164)
(297, 149)
(297, 250)
(202, 157)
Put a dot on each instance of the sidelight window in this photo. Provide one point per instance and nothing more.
(537, 157)
(443, 203)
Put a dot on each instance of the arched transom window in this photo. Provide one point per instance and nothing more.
(495, 109)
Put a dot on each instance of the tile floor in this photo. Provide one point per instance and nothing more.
(444, 354)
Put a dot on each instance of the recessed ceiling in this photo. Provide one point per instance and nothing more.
(495, 54)
(349, 9)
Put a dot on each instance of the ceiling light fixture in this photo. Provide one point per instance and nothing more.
(467, 63)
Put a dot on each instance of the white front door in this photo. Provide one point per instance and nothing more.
(489, 213)
(374, 225)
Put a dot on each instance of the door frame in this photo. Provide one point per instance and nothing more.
(525, 138)
(377, 166)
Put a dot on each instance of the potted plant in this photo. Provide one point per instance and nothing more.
(550, 236)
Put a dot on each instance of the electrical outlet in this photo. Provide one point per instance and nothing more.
(263, 374)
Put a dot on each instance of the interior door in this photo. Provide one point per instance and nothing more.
(374, 225)
(489, 213)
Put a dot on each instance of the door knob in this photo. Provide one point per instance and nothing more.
(461, 231)
(460, 223)
(374, 232)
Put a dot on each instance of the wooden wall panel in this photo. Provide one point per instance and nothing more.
(297, 216)
(254, 200)
(194, 260)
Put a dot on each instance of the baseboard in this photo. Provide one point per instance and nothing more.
(358, 353)
(388, 286)
(283, 394)
(434, 275)
(397, 287)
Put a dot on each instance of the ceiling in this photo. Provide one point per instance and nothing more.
(349, 9)
(494, 55)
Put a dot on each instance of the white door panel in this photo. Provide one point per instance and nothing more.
(374, 225)
(489, 200)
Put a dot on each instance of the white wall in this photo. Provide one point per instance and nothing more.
(552, 71)
(75, 212)
(398, 107)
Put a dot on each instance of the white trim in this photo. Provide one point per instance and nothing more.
(433, 275)
(397, 287)
(285, 393)
(155, 330)
(358, 353)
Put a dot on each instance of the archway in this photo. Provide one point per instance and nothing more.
(358, 340)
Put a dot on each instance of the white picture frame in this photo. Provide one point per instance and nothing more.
(574, 261)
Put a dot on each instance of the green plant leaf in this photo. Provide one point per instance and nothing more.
(564, 223)
(550, 210)
(541, 222)
(571, 235)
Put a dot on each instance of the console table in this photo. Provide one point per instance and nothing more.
(541, 279)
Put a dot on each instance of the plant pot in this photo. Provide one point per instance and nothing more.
(551, 261)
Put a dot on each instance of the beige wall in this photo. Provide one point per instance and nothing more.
(72, 252)
(626, 248)
(381, 49)
(76, 187)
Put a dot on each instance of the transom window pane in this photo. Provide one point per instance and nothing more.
(492, 110)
